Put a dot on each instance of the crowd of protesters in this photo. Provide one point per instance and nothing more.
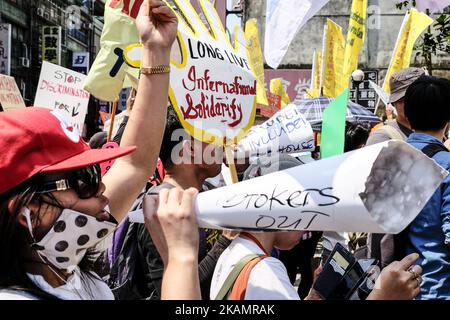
(65, 233)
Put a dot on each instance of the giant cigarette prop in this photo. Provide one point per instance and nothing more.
(377, 189)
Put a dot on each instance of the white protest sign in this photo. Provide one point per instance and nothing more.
(377, 189)
(10, 96)
(286, 132)
(62, 89)
(212, 87)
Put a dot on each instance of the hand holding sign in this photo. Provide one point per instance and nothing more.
(156, 24)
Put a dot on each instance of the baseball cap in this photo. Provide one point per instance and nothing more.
(270, 164)
(401, 80)
(37, 140)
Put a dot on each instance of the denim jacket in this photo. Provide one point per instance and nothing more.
(429, 233)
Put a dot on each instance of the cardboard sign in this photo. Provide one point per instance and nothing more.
(355, 192)
(10, 96)
(62, 89)
(212, 88)
(286, 132)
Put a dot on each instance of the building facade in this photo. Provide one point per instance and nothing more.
(54, 30)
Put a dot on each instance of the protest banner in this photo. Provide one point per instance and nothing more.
(333, 60)
(286, 132)
(256, 59)
(277, 88)
(285, 18)
(346, 193)
(109, 72)
(413, 25)
(333, 127)
(61, 89)
(10, 97)
(356, 36)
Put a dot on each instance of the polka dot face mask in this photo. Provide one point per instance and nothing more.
(70, 237)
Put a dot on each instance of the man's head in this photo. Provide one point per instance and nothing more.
(178, 148)
(399, 83)
(427, 104)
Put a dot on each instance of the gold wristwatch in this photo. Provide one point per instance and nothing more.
(155, 70)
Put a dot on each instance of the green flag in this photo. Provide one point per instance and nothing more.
(333, 127)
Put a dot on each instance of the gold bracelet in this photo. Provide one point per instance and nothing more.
(155, 70)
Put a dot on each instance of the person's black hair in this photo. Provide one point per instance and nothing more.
(14, 236)
(173, 135)
(427, 103)
(356, 135)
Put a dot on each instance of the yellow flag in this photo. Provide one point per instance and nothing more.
(316, 74)
(414, 24)
(276, 87)
(334, 60)
(355, 38)
(108, 73)
(256, 59)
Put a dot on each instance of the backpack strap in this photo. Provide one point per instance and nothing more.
(433, 148)
(240, 285)
(234, 274)
(392, 132)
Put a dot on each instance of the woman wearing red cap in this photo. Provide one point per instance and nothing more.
(54, 207)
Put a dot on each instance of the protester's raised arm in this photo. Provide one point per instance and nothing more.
(146, 124)
(173, 227)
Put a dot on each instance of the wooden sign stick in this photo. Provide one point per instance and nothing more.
(113, 115)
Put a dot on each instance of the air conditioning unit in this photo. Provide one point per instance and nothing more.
(24, 62)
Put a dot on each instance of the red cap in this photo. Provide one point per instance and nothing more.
(35, 140)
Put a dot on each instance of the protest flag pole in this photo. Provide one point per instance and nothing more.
(113, 115)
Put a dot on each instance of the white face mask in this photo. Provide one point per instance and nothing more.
(72, 234)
